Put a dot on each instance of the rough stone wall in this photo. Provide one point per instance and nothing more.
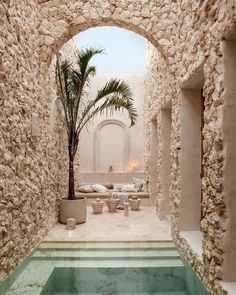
(32, 168)
(201, 27)
(156, 98)
(186, 33)
(60, 20)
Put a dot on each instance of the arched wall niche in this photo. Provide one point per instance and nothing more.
(70, 18)
(111, 154)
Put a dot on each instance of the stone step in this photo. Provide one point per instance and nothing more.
(109, 263)
(106, 245)
(107, 253)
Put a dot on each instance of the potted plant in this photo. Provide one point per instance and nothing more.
(73, 81)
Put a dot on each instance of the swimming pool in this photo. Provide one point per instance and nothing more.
(104, 268)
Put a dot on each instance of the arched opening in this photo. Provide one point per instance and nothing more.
(79, 17)
(111, 155)
(108, 146)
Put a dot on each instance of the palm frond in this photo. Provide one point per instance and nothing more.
(116, 95)
(71, 80)
(84, 57)
(111, 104)
(91, 71)
(119, 103)
(113, 88)
(61, 79)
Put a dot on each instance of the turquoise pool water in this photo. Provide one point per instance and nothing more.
(104, 268)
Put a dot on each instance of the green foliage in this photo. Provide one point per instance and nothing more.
(73, 80)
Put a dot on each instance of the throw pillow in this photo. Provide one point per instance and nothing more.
(129, 188)
(139, 182)
(100, 188)
(117, 187)
(86, 188)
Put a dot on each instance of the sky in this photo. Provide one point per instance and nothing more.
(125, 51)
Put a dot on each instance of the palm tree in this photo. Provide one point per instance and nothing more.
(72, 84)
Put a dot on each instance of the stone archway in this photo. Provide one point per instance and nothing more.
(61, 20)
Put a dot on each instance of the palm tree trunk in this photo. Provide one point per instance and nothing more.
(71, 190)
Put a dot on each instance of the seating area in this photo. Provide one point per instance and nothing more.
(102, 185)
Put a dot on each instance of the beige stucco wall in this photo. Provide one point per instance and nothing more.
(114, 145)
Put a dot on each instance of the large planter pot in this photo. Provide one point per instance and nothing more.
(73, 209)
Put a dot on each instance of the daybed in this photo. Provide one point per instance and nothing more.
(110, 188)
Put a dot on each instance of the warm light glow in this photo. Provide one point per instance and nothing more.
(131, 167)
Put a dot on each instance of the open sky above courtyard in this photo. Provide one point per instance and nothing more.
(125, 50)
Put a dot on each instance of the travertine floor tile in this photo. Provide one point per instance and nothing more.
(140, 225)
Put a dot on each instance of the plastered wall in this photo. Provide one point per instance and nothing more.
(108, 143)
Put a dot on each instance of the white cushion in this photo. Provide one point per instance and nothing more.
(86, 188)
(129, 188)
(100, 188)
(117, 187)
(139, 182)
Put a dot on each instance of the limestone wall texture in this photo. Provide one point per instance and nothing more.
(32, 168)
(187, 35)
(201, 26)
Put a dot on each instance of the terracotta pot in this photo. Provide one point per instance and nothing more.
(97, 206)
(134, 203)
(73, 209)
(112, 204)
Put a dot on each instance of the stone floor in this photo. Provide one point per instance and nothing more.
(142, 225)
